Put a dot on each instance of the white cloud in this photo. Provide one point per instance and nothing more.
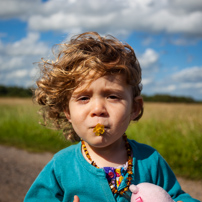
(187, 82)
(70, 21)
(166, 89)
(147, 81)
(25, 77)
(191, 85)
(189, 75)
(30, 45)
(182, 6)
(174, 16)
(148, 59)
(18, 74)
(19, 8)
(16, 60)
(9, 63)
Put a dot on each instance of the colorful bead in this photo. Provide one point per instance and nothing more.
(129, 169)
(125, 189)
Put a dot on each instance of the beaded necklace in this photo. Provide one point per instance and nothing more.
(129, 169)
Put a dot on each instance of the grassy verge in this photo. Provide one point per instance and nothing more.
(175, 130)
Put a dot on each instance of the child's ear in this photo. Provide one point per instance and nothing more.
(137, 107)
(67, 114)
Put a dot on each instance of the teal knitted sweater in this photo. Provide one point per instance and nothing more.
(69, 174)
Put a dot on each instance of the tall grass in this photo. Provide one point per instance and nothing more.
(19, 126)
(175, 130)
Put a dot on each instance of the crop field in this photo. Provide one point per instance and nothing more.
(175, 130)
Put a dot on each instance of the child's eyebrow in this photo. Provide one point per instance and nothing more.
(103, 91)
(80, 93)
(113, 90)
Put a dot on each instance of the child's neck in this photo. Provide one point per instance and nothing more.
(113, 155)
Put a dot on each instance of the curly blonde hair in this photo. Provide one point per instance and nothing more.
(74, 61)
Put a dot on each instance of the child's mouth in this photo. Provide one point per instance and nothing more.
(99, 129)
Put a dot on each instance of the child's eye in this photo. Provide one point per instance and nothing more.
(113, 97)
(83, 99)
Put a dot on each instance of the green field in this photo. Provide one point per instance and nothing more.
(175, 130)
(19, 126)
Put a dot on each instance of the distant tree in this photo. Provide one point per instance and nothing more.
(3, 90)
(13, 91)
(168, 98)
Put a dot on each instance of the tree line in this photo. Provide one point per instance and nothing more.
(14, 91)
(168, 98)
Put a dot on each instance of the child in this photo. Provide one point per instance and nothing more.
(92, 91)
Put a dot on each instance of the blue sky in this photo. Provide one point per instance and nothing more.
(166, 36)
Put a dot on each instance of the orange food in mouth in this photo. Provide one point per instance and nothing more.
(99, 129)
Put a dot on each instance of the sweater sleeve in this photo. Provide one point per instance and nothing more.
(45, 187)
(166, 179)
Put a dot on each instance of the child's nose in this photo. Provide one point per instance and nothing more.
(99, 108)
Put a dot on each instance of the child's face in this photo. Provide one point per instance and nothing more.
(108, 101)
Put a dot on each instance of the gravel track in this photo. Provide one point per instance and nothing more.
(19, 168)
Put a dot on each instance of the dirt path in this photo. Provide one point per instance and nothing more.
(18, 169)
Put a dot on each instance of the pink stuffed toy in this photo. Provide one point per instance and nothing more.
(147, 192)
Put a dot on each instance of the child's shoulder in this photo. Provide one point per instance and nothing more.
(67, 153)
(140, 146)
(141, 150)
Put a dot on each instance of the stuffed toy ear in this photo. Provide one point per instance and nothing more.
(134, 189)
